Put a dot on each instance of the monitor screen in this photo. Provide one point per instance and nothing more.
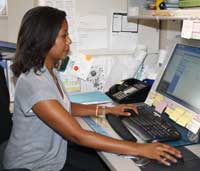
(7, 46)
(180, 81)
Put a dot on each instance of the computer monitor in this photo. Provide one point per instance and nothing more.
(7, 46)
(179, 80)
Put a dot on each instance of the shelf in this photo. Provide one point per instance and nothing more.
(137, 10)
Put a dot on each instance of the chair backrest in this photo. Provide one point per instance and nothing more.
(5, 115)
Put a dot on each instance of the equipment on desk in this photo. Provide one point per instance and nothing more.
(149, 126)
(7, 46)
(176, 88)
(130, 91)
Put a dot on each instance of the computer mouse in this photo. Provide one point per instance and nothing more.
(131, 111)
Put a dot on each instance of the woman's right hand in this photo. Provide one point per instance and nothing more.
(160, 152)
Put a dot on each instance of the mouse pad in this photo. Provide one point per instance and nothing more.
(190, 161)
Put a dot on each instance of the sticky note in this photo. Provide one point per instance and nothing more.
(184, 119)
(155, 102)
(161, 106)
(193, 126)
(159, 97)
(88, 57)
(152, 95)
(177, 113)
(169, 111)
(149, 101)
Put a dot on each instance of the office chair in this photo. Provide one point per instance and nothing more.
(5, 119)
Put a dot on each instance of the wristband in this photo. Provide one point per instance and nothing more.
(96, 112)
(103, 110)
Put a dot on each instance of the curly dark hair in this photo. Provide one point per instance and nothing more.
(38, 31)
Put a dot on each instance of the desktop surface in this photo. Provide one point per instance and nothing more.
(122, 163)
(177, 83)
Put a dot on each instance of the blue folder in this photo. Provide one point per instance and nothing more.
(90, 97)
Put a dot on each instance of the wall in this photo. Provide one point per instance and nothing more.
(4, 28)
(10, 24)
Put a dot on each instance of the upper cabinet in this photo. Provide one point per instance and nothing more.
(140, 9)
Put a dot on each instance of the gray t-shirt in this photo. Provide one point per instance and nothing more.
(33, 144)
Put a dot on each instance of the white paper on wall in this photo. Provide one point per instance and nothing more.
(80, 65)
(191, 29)
(92, 32)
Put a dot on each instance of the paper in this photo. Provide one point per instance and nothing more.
(69, 7)
(149, 101)
(70, 82)
(152, 95)
(124, 35)
(191, 29)
(193, 126)
(184, 119)
(92, 32)
(80, 66)
(93, 22)
(161, 106)
(129, 26)
(117, 24)
(169, 111)
(92, 39)
(123, 40)
(157, 100)
(176, 114)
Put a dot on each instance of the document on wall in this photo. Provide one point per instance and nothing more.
(69, 7)
(191, 29)
(71, 83)
(80, 66)
(124, 34)
(92, 32)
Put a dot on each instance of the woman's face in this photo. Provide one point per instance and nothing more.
(61, 46)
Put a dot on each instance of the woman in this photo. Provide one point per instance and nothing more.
(43, 115)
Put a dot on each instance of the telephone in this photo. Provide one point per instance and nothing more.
(130, 91)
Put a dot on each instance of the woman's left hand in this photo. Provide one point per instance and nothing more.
(120, 109)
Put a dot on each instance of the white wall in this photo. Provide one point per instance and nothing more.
(10, 24)
(16, 10)
(4, 28)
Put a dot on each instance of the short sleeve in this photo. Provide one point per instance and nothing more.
(31, 90)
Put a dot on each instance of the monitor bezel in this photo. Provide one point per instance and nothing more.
(171, 100)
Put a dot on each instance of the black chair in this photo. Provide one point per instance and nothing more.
(5, 119)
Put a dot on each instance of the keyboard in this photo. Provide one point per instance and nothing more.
(149, 126)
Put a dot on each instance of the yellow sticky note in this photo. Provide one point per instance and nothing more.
(169, 111)
(159, 97)
(152, 95)
(177, 113)
(157, 100)
(155, 103)
(185, 119)
(88, 57)
(180, 110)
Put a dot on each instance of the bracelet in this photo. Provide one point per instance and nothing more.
(103, 110)
(96, 112)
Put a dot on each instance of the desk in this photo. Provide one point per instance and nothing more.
(116, 162)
